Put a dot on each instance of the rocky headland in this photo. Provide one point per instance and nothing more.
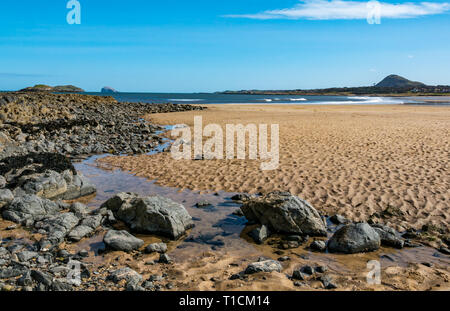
(53, 89)
(41, 134)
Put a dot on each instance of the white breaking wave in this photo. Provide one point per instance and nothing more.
(297, 99)
(368, 100)
(359, 97)
(185, 100)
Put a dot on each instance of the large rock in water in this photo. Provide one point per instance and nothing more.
(153, 215)
(285, 213)
(108, 90)
(122, 241)
(354, 238)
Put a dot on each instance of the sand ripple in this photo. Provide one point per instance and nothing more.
(350, 160)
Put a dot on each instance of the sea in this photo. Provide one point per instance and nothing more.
(218, 98)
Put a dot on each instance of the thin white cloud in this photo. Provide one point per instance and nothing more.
(339, 9)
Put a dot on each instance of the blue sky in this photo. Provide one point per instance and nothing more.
(208, 45)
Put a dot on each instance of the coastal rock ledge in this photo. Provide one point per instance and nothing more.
(284, 213)
(151, 215)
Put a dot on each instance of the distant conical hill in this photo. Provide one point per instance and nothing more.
(397, 81)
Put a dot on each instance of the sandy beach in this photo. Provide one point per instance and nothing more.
(356, 161)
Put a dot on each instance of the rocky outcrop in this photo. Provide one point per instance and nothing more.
(59, 88)
(51, 219)
(57, 227)
(122, 241)
(354, 238)
(52, 185)
(108, 90)
(151, 215)
(86, 227)
(285, 213)
(74, 124)
(29, 208)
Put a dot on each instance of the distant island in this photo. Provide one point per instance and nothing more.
(53, 89)
(392, 85)
(108, 90)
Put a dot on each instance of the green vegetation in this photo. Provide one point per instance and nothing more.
(392, 85)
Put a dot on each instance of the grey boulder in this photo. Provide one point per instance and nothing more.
(389, 237)
(285, 213)
(79, 233)
(151, 215)
(27, 255)
(53, 185)
(58, 227)
(354, 238)
(29, 208)
(319, 246)
(87, 226)
(79, 209)
(156, 248)
(259, 235)
(264, 266)
(127, 274)
(6, 197)
(122, 241)
(2, 182)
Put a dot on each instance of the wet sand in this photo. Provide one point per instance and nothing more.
(348, 160)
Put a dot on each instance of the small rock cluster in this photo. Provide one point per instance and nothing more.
(281, 212)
